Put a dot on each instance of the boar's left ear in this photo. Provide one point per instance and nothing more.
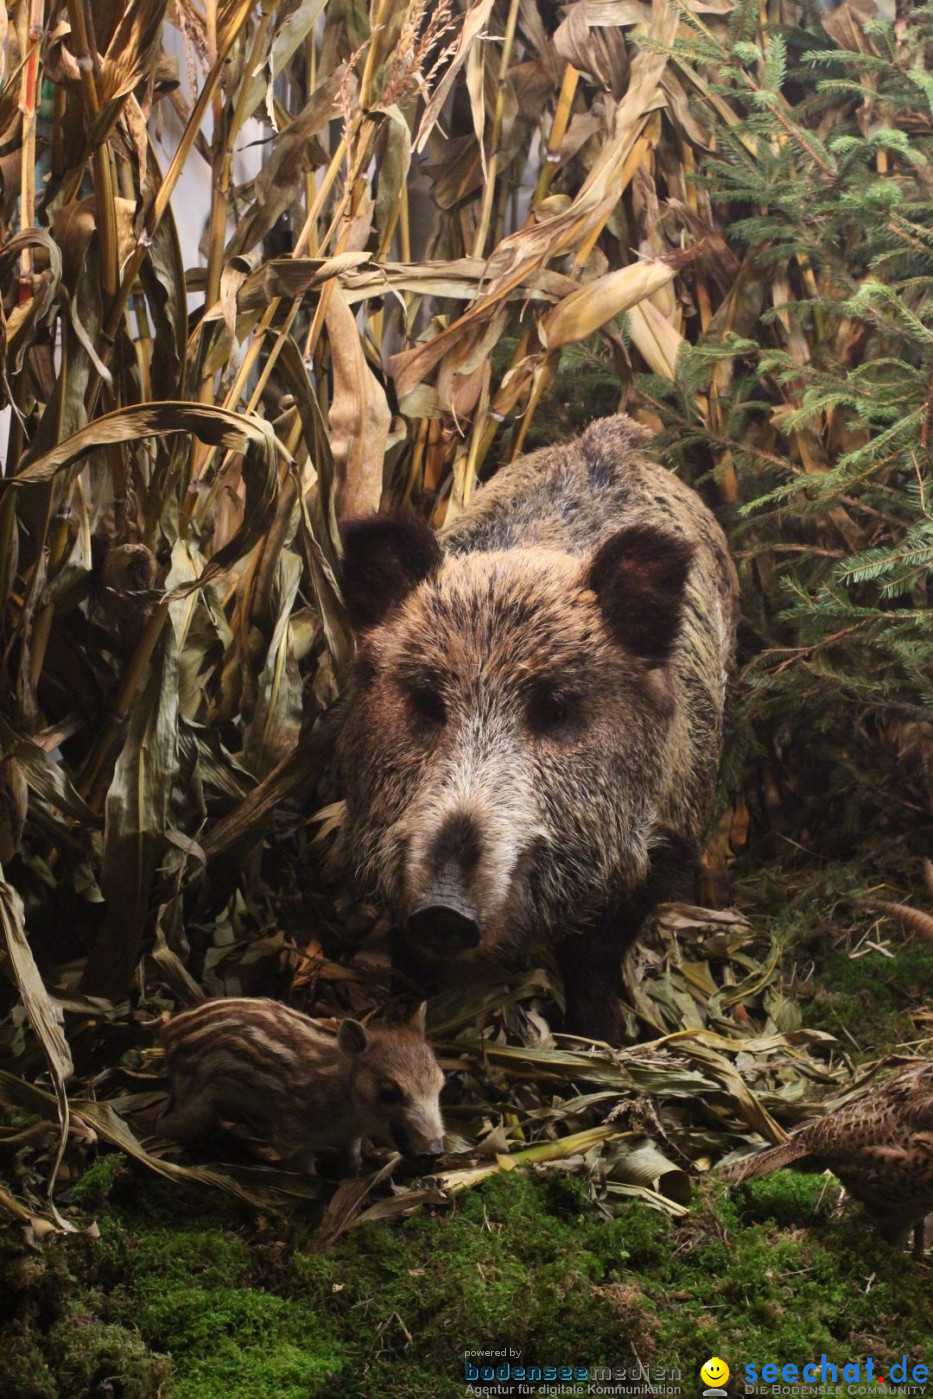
(638, 577)
(384, 558)
(419, 1021)
(353, 1037)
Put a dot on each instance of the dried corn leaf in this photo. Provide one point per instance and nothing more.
(590, 308)
(217, 426)
(44, 1015)
(47, 779)
(272, 732)
(282, 176)
(137, 815)
(359, 416)
(272, 1190)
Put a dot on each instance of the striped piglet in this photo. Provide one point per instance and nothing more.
(257, 1064)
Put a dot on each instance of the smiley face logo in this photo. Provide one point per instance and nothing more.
(715, 1372)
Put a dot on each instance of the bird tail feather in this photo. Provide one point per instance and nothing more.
(762, 1163)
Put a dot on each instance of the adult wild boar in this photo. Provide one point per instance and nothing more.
(533, 723)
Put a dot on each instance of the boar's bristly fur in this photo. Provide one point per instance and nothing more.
(533, 725)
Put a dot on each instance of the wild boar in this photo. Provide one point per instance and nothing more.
(532, 728)
(257, 1064)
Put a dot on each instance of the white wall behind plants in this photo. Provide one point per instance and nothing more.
(191, 201)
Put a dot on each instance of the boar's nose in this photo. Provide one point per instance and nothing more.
(416, 1149)
(444, 918)
(444, 927)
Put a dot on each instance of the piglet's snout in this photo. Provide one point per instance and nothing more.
(423, 1135)
(431, 1149)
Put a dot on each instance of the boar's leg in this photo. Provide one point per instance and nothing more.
(590, 959)
(350, 1159)
(336, 1163)
(194, 1121)
(299, 1159)
(209, 1126)
(589, 964)
(412, 965)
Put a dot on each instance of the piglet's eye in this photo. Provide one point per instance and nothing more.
(391, 1094)
(427, 706)
(552, 713)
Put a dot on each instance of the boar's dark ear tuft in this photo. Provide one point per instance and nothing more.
(638, 577)
(384, 558)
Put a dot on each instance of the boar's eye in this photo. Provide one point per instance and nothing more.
(427, 705)
(391, 1095)
(552, 713)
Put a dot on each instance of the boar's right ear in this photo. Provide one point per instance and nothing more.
(384, 558)
(638, 577)
(353, 1037)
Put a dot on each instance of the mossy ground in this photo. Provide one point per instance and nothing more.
(197, 1302)
(186, 1295)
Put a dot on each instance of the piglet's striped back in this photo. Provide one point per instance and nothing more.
(265, 1030)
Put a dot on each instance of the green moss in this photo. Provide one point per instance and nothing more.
(155, 1311)
(59, 1337)
(216, 1308)
(574, 1288)
(95, 1187)
(788, 1199)
(868, 999)
(510, 1264)
(189, 1251)
(753, 1290)
(24, 1369)
(229, 1341)
(91, 1357)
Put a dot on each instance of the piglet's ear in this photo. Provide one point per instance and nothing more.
(384, 558)
(353, 1037)
(419, 1021)
(638, 577)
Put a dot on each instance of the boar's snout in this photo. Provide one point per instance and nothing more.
(431, 1150)
(444, 926)
(444, 918)
(414, 1145)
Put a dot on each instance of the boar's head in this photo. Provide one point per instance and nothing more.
(508, 726)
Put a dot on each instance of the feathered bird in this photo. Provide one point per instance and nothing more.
(879, 1144)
